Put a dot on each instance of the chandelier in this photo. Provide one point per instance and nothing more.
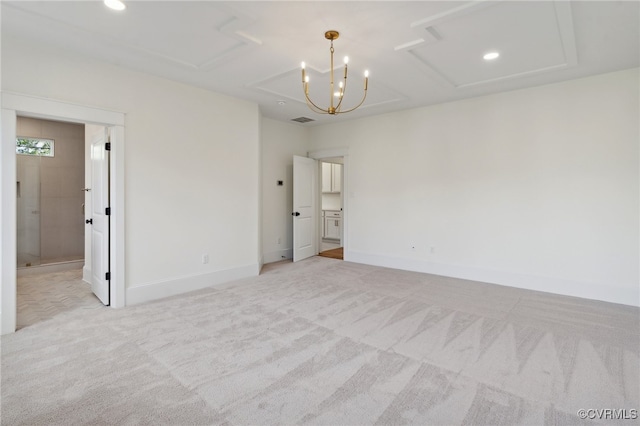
(336, 96)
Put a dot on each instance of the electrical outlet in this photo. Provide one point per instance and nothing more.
(205, 258)
(279, 241)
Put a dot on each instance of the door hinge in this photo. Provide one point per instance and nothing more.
(107, 276)
(107, 146)
(107, 211)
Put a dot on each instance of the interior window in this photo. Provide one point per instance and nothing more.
(34, 146)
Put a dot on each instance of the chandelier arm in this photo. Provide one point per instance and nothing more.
(333, 109)
(361, 102)
(315, 109)
(310, 103)
(344, 90)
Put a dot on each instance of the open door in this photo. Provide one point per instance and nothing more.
(304, 207)
(100, 215)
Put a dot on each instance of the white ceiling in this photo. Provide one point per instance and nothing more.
(418, 52)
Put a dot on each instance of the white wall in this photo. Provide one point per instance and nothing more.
(192, 167)
(536, 188)
(280, 142)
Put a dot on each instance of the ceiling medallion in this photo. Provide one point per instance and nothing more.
(333, 108)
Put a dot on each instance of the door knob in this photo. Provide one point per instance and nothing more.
(89, 221)
(295, 214)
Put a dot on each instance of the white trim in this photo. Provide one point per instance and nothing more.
(117, 223)
(14, 104)
(329, 153)
(180, 285)
(48, 268)
(86, 275)
(584, 290)
(278, 255)
(260, 248)
(457, 11)
(8, 224)
(34, 106)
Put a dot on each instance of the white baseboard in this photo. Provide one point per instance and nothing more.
(48, 268)
(86, 275)
(278, 255)
(174, 286)
(585, 290)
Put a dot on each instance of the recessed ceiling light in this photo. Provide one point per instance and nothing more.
(115, 4)
(491, 56)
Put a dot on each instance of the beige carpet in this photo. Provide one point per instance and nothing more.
(328, 343)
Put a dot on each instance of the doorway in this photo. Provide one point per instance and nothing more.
(14, 105)
(333, 166)
(307, 204)
(331, 171)
(50, 169)
(54, 200)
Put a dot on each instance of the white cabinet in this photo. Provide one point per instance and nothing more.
(332, 221)
(331, 177)
(326, 177)
(336, 177)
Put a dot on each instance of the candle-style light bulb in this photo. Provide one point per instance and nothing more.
(336, 90)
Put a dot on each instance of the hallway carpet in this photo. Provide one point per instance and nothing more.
(328, 343)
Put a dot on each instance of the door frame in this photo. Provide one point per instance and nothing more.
(14, 105)
(100, 220)
(319, 155)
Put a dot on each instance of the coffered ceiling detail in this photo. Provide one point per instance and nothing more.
(531, 39)
(418, 53)
(162, 36)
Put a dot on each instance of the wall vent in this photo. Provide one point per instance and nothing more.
(303, 119)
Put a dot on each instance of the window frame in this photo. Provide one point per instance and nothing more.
(37, 153)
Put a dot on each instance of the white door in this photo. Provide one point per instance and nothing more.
(305, 171)
(100, 216)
